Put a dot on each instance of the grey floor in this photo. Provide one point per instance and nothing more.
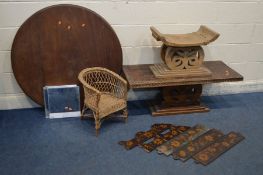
(31, 144)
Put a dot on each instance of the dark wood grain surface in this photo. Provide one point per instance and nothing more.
(140, 76)
(57, 42)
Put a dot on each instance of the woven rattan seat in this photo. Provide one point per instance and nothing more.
(105, 93)
(109, 104)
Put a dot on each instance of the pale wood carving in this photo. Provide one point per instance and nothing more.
(203, 36)
(182, 53)
(178, 58)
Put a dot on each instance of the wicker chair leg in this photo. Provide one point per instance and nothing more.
(83, 111)
(97, 125)
(125, 113)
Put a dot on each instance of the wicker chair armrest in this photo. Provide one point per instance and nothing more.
(84, 83)
(120, 90)
(92, 99)
(121, 83)
(118, 77)
(92, 95)
(122, 80)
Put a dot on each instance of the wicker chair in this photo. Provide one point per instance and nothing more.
(105, 93)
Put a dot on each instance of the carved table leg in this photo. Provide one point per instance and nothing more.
(180, 100)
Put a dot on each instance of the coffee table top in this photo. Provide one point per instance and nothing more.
(140, 76)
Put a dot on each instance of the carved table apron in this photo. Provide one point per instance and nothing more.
(179, 95)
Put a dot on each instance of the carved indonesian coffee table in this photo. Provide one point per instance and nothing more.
(182, 94)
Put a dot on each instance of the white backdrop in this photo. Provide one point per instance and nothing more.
(240, 45)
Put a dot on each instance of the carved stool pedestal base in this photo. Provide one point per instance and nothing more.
(180, 100)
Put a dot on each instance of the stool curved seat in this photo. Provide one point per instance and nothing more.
(203, 36)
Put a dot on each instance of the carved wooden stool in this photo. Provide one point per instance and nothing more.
(183, 57)
(182, 53)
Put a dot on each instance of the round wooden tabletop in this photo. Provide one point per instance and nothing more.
(56, 43)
